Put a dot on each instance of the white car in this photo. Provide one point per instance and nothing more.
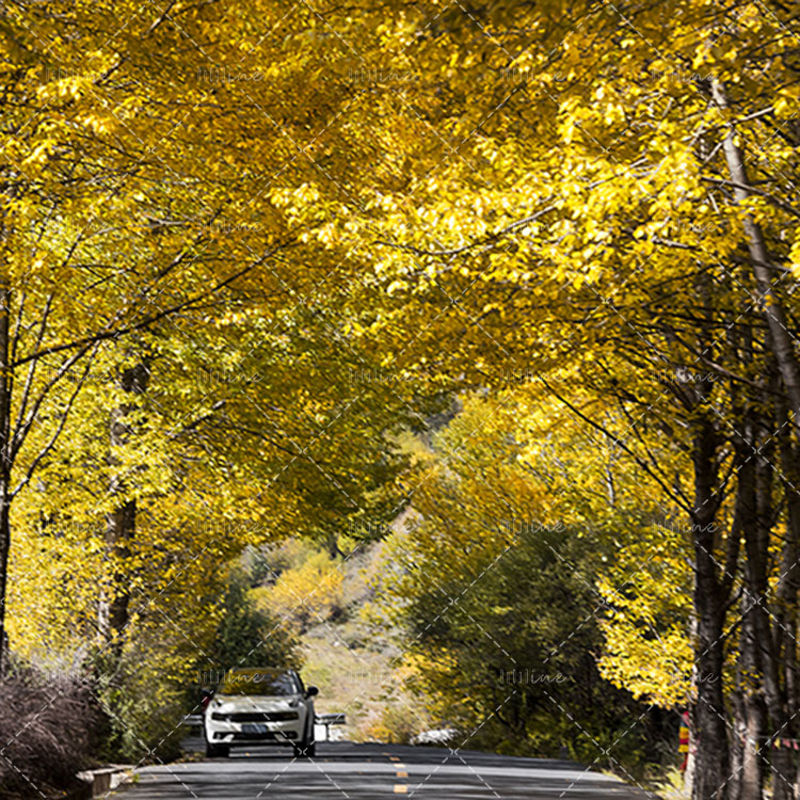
(256, 706)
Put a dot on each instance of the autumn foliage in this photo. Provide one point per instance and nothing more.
(248, 252)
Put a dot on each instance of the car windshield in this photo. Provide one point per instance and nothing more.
(259, 681)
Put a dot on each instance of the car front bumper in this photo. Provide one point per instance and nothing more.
(231, 732)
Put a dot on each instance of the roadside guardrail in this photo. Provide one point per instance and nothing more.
(330, 719)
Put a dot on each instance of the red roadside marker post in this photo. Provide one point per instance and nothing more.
(683, 739)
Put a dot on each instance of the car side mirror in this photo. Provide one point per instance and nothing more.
(312, 691)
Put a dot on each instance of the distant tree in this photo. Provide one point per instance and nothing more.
(496, 588)
(249, 636)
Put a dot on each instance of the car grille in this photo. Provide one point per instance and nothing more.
(257, 716)
(269, 735)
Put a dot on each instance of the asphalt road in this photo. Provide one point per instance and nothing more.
(370, 771)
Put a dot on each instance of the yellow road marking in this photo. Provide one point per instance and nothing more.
(400, 788)
(402, 774)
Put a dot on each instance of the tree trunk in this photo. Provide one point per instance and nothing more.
(113, 611)
(781, 340)
(738, 735)
(785, 615)
(120, 530)
(754, 762)
(780, 343)
(761, 650)
(5, 462)
(709, 714)
(749, 662)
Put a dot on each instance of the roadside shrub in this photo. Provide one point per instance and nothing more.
(47, 723)
(144, 704)
(394, 726)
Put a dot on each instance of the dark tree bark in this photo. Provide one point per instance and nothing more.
(750, 666)
(784, 617)
(121, 522)
(5, 461)
(781, 346)
(762, 647)
(709, 713)
(771, 306)
(736, 782)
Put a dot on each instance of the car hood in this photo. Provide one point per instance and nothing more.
(255, 702)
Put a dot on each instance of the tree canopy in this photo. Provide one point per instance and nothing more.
(247, 248)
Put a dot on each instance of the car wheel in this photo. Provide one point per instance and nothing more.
(307, 747)
(216, 750)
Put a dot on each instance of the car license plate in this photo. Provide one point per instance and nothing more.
(255, 728)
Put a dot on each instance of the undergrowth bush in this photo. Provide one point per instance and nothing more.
(48, 722)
